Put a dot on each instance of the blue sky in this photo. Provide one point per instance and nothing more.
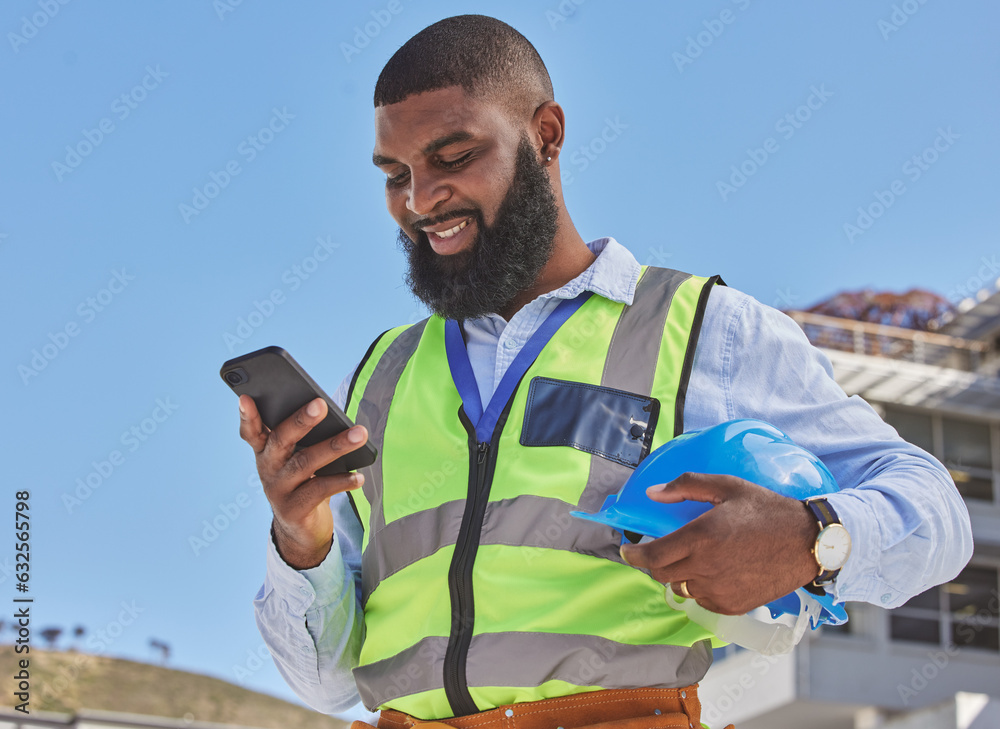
(736, 138)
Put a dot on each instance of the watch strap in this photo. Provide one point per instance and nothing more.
(826, 515)
(823, 511)
(813, 588)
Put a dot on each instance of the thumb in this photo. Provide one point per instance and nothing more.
(707, 487)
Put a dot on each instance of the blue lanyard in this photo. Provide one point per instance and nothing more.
(465, 378)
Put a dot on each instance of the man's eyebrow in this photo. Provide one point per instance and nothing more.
(439, 143)
(453, 138)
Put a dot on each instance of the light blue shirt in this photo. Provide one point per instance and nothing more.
(909, 525)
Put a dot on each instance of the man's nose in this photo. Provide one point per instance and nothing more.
(426, 191)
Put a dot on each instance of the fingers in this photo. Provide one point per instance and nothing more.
(252, 430)
(660, 554)
(302, 517)
(709, 591)
(700, 592)
(303, 522)
(283, 469)
(275, 449)
(305, 498)
(706, 593)
(655, 554)
(707, 487)
(666, 559)
(292, 429)
(753, 546)
(302, 464)
(704, 487)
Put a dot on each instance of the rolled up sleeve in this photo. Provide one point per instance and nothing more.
(311, 623)
(909, 525)
(311, 620)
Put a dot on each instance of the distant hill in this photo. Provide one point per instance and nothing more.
(68, 682)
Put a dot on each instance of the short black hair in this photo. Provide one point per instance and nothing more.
(483, 55)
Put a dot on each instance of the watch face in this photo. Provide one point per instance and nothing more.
(833, 546)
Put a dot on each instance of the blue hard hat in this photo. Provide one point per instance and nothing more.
(750, 449)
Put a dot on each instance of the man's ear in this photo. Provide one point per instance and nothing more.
(549, 129)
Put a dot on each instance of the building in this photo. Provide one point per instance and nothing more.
(934, 662)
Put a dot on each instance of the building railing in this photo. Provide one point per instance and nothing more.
(881, 340)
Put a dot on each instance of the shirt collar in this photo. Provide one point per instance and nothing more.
(613, 274)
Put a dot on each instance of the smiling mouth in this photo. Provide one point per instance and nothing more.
(442, 234)
(452, 231)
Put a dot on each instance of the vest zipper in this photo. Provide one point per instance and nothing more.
(482, 459)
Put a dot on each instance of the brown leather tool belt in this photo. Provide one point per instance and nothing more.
(643, 708)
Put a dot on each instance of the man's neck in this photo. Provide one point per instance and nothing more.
(570, 257)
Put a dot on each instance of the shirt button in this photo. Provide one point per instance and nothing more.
(304, 590)
(510, 343)
(886, 597)
(509, 712)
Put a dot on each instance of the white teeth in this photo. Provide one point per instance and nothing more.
(449, 233)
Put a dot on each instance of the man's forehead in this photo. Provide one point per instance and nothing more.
(422, 119)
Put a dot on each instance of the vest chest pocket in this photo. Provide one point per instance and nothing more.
(613, 424)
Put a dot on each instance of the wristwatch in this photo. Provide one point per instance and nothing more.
(833, 543)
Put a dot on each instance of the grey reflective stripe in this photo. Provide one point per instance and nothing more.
(635, 344)
(406, 540)
(531, 659)
(605, 478)
(631, 364)
(545, 523)
(374, 409)
(418, 668)
(525, 521)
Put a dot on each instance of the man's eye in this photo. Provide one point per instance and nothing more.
(456, 162)
(397, 180)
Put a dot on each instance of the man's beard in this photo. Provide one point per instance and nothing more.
(504, 260)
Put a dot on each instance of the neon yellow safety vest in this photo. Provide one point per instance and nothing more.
(478, 587)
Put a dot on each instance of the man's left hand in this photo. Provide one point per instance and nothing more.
(752, 547)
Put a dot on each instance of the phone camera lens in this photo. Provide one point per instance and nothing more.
(236, 377)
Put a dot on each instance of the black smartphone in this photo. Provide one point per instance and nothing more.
(280, 386)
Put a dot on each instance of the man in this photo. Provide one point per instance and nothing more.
(454, 583)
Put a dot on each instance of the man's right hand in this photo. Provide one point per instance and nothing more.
(303, 522)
